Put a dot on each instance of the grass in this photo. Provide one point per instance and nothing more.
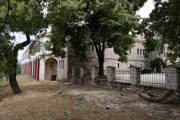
(20, 78)
(2, 82)
(48, 101)
(24, 78)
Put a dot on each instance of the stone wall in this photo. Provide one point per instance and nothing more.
(111, 59)
(172, 77)
(90, 77)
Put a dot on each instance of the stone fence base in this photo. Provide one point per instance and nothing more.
(90, 77)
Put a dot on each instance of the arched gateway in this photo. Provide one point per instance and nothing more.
(51, 69)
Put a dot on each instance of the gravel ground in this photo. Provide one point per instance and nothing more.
(57, 101)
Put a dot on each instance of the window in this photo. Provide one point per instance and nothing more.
(143, 52)
(63, 64)
(129, 51)
(137, 51)
(140, 51)
(141, 65)
(60, 63)
(118, 65)
(130, 65)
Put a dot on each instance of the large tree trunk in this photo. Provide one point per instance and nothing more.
(158, 68)
(14, 84)
(101, 66)
(12, 76)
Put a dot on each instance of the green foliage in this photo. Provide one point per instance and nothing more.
(18, 69)
(154, 45)
(102, 23)
(24, 16)
(164, 21)
(156, 63)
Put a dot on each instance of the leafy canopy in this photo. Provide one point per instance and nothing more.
(164, 22)
(25, 16)
(102, 23)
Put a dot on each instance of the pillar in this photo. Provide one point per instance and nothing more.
(135, 75)
(38, 62)
(111, 73)
(172, 77)
(73, 75)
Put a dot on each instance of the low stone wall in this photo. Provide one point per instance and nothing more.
(90, 77)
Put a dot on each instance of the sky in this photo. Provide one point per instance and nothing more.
(143, 12)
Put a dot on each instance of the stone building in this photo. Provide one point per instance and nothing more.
(43, 66)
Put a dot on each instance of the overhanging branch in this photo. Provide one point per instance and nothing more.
(23, 44)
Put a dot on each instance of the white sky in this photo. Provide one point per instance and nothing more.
(143, 12)
(146, 9)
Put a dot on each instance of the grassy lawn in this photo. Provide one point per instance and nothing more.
(48, 101)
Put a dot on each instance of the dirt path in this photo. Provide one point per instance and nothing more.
(55, 101)
(127, 98)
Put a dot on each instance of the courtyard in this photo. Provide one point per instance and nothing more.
(47, 100)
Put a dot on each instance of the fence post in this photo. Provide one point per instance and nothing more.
(81, 72)
(172, 77)
(110, 76)
(82, 75)
(110, 73)
(93, 73)
(134, 75)
(93, 76)
(73, 75)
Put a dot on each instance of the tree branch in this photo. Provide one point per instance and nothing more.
(23, 44)
(96, 47)
(6, 17)
(156, 99)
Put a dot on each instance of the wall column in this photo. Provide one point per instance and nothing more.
(38, 69)
(110, 76)
(134, 75)
(34, 69)
(111, 73)
(42, 69)
(172, 77)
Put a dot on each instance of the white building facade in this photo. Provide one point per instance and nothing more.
(43, 66)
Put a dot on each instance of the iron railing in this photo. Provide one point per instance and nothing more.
(122, 76)
(153, 79)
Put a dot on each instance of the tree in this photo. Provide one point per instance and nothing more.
(101, 23)
(155, 46)
(18, 69)
(164, 22)
(157, 63)
(25, 16)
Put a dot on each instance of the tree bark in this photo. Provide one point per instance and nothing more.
(101, 66)
(14, 84)
(12, 76)
(157, 99)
